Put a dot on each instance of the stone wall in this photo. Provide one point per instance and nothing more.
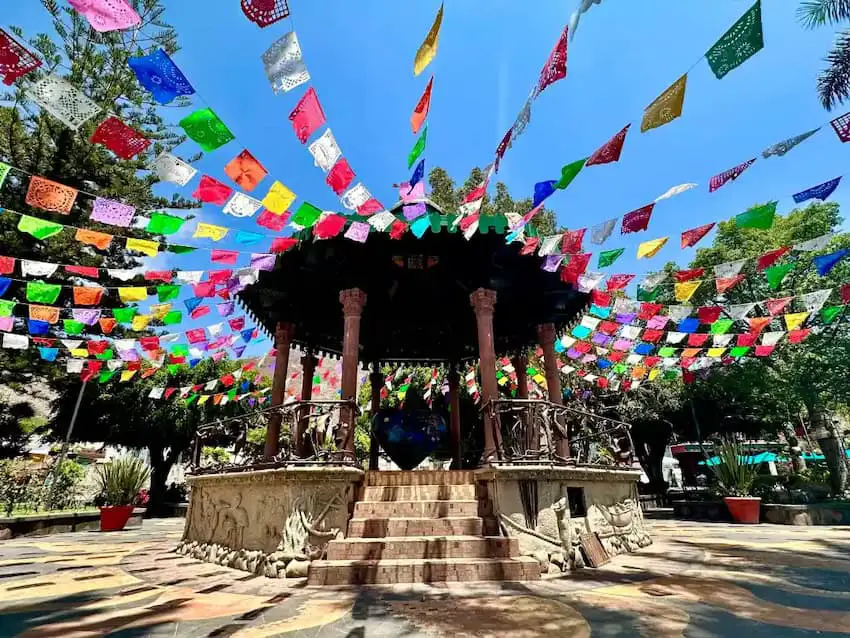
(272, 522)
(531, 503)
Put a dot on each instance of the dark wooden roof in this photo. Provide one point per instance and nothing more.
(417, 307)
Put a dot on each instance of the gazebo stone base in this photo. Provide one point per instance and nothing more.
(549, 507)
(271, 522)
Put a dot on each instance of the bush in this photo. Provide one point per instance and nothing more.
(63, 487)
(20, 486)
(214, 455)
(735, 477)
(121, 481)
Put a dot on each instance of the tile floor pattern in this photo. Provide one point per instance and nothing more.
(696, 580)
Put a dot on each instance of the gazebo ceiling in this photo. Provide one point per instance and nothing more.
(417, 306)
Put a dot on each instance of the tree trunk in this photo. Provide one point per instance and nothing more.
(798, 463)
(651, 439)
(823, 429)
(160, 467)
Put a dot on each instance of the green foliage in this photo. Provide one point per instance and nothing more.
(36, 142)
(735, 477)
(448, 197)
(121, 480)
(19, 486)
(215, 455)
(122, 414)
(17, 424)
(834, 81)
(63, 488)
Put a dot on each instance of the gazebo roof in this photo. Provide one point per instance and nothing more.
(417, 307)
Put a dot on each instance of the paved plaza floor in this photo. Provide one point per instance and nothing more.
(696, 580)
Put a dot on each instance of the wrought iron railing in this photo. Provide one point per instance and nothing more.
(528, 430)
(323, 426)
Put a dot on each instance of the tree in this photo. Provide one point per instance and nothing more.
(34, 141)
(14, 430)
(122, 414)
(764, 396)
(445, 195)
(834, 81)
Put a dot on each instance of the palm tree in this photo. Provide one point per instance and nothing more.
(834, 81)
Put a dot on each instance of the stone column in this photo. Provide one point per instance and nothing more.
(483, 303)
(303, 445)
(376, 380)
(352, 301)
(283, 341)
(546, 334)
(454, 416)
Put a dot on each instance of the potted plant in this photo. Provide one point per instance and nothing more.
(121, 483)
(736, 474)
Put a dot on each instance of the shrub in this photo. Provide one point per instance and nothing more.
(121, 481)
(735, 477)
(20, 486)
(214, 455)
(63, 487)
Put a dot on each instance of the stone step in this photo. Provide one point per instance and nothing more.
(389, 493)
(419, 477)
(383, 527)
(421, 547)
(389, 572)
(415, 509)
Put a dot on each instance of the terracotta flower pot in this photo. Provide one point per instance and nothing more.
(744, 509)
(114, 518)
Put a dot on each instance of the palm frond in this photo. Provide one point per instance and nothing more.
(834, 81)
(816, 13)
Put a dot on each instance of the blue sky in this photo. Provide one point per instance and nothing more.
(360, 56)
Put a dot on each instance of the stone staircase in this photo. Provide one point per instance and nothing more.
(420, 527)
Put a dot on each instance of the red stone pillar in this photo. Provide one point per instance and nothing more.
(483, 303)
(546, 334)
(352, 301)
(283, 341)
(454, 416)
(303, 446)
(376, 379)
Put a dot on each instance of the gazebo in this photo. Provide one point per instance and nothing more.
(536, 497)
(438, 299)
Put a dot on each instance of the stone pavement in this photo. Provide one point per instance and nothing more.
(696, 580)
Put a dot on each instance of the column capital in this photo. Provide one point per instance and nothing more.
(483, 300)
(546, 333)
(283, 333)
(308, 358)
(376, 377)
(453, 375)
(352, 301)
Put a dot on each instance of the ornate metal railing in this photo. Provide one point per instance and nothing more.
(528, 430)
(323, 426)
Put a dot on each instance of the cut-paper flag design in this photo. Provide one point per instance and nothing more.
(307, 116)
(428, 49)
(284, 65)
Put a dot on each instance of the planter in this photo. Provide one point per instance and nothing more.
(114, 518)
(743, 509)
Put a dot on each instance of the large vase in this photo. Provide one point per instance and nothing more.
(114, 518)
(745, 509)
(408, 437)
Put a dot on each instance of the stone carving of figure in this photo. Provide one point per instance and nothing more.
(235, 520)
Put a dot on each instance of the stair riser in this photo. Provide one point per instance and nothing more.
(379, 528)
(424, 573)
(424, 548)
(389, 493)
(415, 509)
(436, 477)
